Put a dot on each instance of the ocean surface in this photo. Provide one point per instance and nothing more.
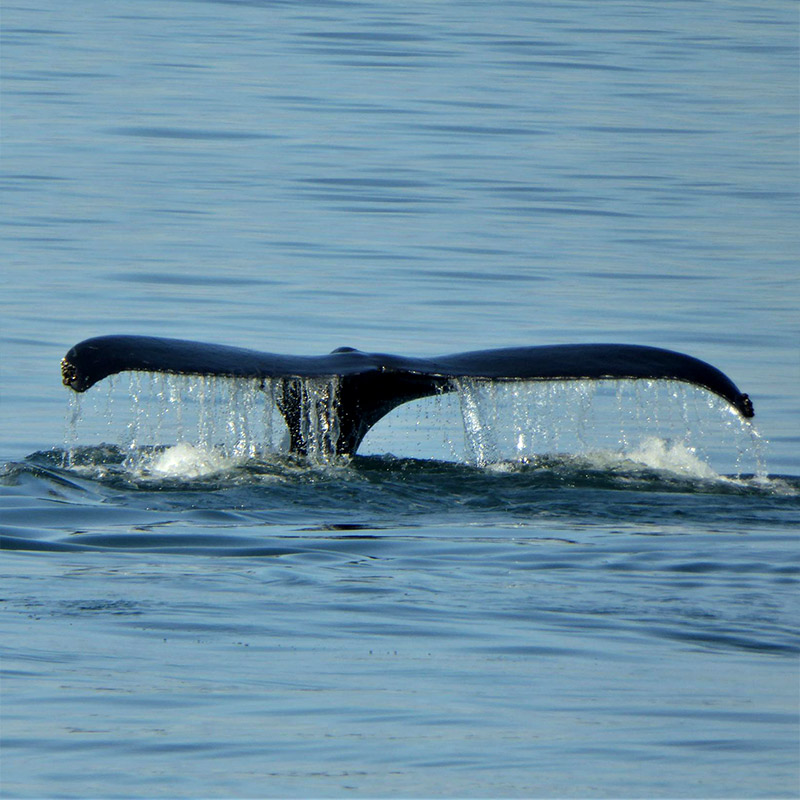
(551, 590)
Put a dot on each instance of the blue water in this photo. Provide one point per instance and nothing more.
(610, 613)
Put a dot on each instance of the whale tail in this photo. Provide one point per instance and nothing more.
(364, 387)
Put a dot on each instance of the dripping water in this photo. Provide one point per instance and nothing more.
(72, 421)
(479, 421)
(630, 419)
(319, 418)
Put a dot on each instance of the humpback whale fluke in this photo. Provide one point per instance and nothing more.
(370, 385)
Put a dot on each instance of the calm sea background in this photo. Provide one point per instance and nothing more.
(417, 178)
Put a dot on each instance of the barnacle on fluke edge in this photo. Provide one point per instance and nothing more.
(69, 374)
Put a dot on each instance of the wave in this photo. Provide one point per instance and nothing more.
(654, 465)
(192, 500)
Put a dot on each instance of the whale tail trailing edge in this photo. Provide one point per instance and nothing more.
(367, 386)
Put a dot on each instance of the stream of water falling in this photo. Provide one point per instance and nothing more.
(479, 422)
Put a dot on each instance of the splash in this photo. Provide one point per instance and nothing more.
(185, 460)
(671, 456)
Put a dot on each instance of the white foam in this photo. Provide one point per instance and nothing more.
(185, 460)
(671, 456)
